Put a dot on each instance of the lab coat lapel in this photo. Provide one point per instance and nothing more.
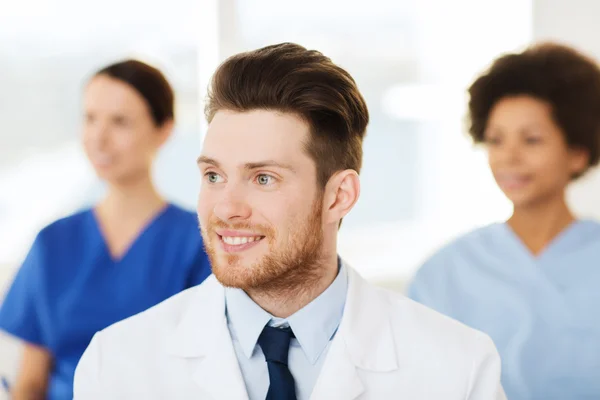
(339, 378)
(364, 341)
(203, 339)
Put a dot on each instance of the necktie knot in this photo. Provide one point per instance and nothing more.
(275, 344)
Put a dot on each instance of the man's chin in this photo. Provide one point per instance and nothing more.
(235, 275)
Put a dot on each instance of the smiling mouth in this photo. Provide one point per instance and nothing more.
(239, 240)
(234, 244)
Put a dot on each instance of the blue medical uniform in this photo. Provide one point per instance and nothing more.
(69, 286)
(543, 312)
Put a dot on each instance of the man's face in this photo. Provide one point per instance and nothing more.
(259, 207)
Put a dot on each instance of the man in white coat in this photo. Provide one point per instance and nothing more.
(283, 317)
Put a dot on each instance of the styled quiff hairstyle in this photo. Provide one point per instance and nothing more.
(288, 78)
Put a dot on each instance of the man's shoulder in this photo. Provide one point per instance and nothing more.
(158, 321)
(427, 329)
(425, 345)
(408, 317)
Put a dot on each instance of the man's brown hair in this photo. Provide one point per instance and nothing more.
(288, 78)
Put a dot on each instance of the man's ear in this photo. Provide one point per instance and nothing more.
(340, 196)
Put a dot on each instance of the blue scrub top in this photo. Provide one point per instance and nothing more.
(543, 312)
(69, 287)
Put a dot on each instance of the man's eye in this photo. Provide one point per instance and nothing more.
(264, 179)
(213, 177)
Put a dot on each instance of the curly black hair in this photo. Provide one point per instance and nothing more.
(557, 74)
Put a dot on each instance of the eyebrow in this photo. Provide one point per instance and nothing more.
(207, 160)
(248, 165)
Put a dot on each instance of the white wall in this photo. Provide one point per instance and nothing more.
(573, 22)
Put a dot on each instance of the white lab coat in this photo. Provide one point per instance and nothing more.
(387, 347)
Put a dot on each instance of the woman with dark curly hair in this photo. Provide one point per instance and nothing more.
(532, 282)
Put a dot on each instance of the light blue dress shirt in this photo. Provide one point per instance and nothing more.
(314, 326)
(543, 312)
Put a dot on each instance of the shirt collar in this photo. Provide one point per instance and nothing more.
(314, 325)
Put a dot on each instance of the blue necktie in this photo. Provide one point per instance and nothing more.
(275, 344)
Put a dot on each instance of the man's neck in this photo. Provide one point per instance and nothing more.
(538, 226)
(285, 299)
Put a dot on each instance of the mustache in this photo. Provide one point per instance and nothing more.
(215, 223)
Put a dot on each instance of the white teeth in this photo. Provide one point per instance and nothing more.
(237, 240)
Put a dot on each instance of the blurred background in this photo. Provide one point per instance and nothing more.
(423, 181)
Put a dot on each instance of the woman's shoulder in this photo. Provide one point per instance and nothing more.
(181, 218)
(584, 235)
(66, 227)
(180, 224)
(464, 249)
(589, 227)
(182, 212)
(451, 265)
(481, 236)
